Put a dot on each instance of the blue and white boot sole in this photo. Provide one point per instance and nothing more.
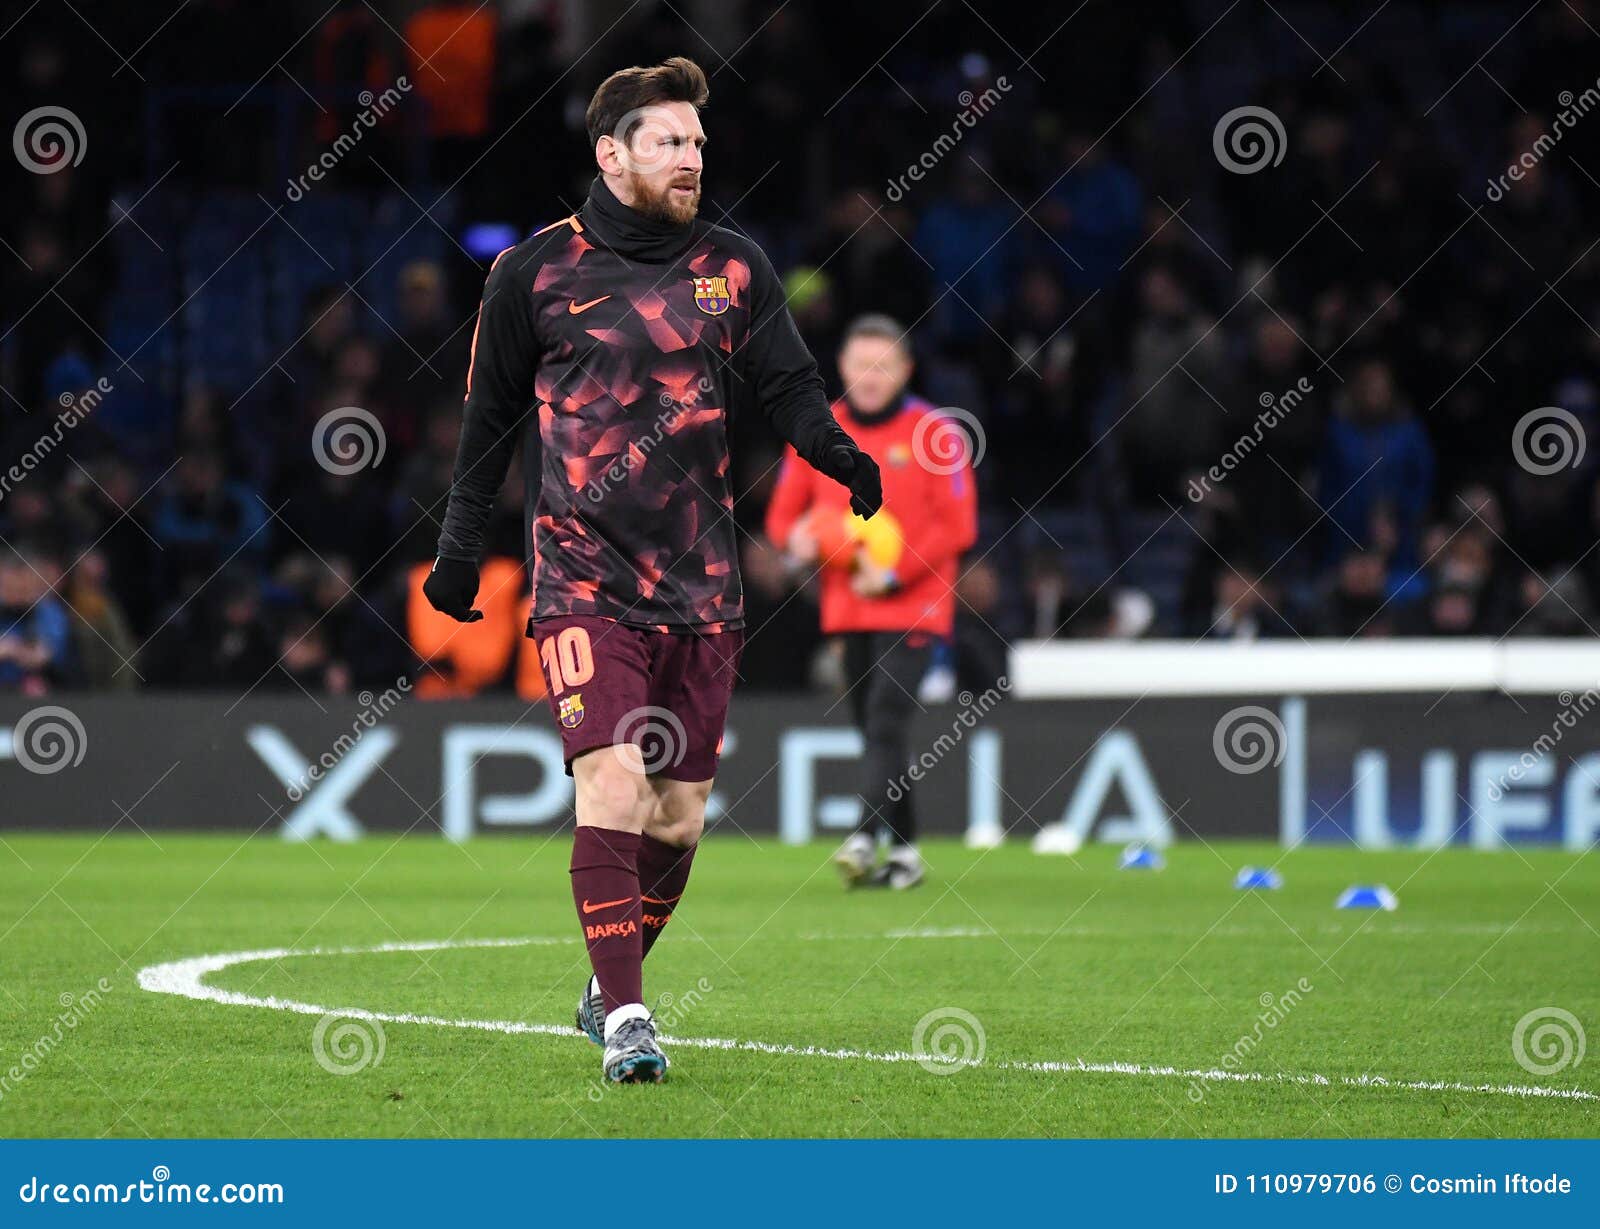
(645, 1069)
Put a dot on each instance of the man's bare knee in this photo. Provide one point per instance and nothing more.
(678, 816)
(610, 792)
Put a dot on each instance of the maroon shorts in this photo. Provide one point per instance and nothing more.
(664, 692)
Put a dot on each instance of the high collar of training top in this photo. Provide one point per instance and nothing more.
(882, 416)
(630, 233)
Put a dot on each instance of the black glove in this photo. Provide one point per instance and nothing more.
(849, 466)
(451, 587)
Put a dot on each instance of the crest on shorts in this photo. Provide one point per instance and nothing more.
(711, 295)
(570, 710)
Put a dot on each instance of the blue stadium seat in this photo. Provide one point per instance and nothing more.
(224, 260)
(398, 233)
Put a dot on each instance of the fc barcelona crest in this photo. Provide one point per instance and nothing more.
(570, 710)
(711, 295)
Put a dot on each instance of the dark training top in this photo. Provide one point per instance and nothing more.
(626, 340)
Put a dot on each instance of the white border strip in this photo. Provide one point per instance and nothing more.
(186, 979)
(1042, 669)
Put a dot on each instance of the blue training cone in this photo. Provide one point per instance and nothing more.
(1138, 857)
(1263, 878)
(1364, 896)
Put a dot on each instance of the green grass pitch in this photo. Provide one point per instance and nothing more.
(1051, 960)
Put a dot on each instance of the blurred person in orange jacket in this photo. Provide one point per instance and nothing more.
(888, 584)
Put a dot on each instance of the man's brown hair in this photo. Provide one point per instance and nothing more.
(877, 324)
(676, 80)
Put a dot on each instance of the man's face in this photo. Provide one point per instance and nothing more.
(422, 303)
(874, 370)
(1374, 391)
(19, 587)
(659, 165)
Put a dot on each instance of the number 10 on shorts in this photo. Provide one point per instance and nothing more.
(568, 659)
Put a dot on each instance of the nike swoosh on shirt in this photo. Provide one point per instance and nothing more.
(605, 904)
(576, 308)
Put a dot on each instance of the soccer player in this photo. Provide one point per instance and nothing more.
(888, 589)
(609, 346)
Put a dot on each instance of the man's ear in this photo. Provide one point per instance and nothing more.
(607, 155)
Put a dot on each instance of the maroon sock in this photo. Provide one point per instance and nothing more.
(605, 889)
(663, 874)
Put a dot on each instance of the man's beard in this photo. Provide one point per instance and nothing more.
(663, 206)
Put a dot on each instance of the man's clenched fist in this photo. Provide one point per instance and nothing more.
(451, 587)
(850, 467)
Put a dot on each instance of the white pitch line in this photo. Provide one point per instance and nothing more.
(1122, 932)
(186, 979)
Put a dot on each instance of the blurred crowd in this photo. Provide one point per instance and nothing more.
(1209, 402)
